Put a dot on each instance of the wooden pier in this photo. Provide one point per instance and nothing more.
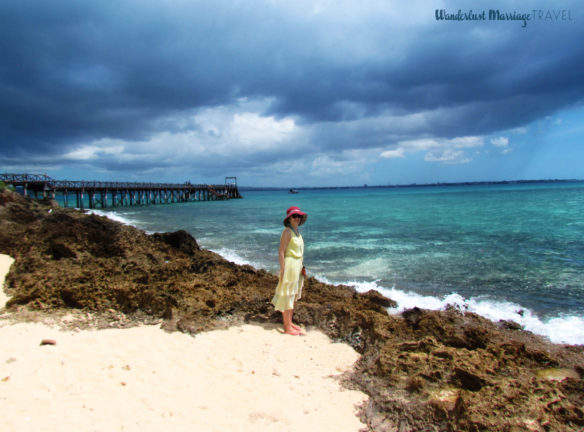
(95, 194)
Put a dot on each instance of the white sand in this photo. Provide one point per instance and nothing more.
(144, 379)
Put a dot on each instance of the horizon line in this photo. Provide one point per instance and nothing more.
(404, 185)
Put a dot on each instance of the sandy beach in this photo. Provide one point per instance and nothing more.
(248, 377)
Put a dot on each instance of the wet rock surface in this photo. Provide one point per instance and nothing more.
(424, 370)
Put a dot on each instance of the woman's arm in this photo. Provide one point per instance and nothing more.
(284, 240)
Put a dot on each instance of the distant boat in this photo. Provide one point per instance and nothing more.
(293, 191)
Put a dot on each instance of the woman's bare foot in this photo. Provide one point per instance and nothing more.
(293, 332)
(294, 326)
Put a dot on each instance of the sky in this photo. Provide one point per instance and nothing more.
(292, 93)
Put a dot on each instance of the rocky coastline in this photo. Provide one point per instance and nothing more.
(423, 370)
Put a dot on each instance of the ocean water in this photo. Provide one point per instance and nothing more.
(513, 252)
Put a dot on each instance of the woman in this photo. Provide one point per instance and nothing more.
(292, 272)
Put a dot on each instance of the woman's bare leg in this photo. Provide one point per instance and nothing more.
(294, 326)
(287, 320)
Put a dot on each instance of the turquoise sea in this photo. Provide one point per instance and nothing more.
(505, 251)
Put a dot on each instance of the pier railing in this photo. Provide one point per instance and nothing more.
(98, 194)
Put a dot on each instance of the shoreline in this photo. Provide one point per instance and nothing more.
(558, 329)
(143, 378)
(422, 369)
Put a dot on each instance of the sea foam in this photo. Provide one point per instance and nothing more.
(234, 257)
(114, 216)
(560, 329)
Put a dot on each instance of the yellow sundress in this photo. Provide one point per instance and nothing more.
(289, 288)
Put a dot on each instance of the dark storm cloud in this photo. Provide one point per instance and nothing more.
(78, 71)
(75, 72)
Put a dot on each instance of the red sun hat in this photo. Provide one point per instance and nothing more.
(295, 210)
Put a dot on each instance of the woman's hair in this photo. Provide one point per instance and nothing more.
(287, 223)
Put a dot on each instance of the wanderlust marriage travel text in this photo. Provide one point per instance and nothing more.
(497, 15)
